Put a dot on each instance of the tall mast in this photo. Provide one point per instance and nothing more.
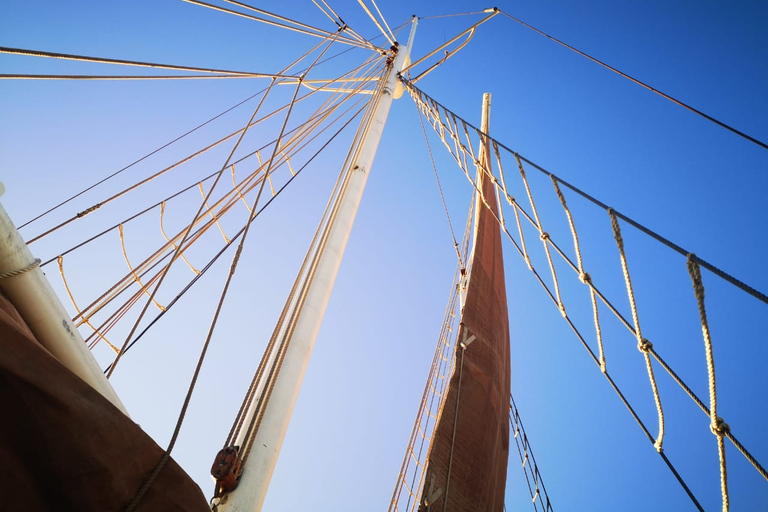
(316, 285)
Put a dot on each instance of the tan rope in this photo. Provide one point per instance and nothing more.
(87, 322)
(717, 425)
(23, 270)
(117, 77)
(300, 27)
(213, 216)
(136, 277)
(439, 126)
(249, 182)
(643, 345)
(583, 276)
(273, 345)
(166, 455)
(376, 22)
(188, 158)
(239, 193)
(386, 25)
(227, 201)
(432, 398)
(168, 240)
(542, 234)
(102, 60)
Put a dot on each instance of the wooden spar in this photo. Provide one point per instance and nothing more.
(467, 463)
(306, 315)
(40, 307)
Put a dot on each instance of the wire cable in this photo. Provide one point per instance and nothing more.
(642, 84)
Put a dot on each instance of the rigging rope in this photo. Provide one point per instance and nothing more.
(543, 235)
(287, 330)
(142, 158)
(166, 455)
(642, 84)
(680, 250)
(181, 137)
(440, 189)
(237, 235)
(717, 425)
(103, 60)
(643, 345)
(435, 110)
(300, 27)
(232, 198)
(172, 166)
(449, 15)
(184, 237)
(116, 77)
(584, 277)
(299, 136)
(376, 22)
(23, 270)
(526, 454)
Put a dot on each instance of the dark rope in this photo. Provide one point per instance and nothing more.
(642, 84)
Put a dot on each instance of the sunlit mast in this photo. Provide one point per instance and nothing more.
(305, 315)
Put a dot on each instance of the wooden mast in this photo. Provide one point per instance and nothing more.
(279, 395)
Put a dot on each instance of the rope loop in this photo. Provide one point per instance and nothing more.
(20, 271)
(645, 346)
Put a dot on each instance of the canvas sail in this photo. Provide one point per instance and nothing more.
(467, 464)
(66, 447)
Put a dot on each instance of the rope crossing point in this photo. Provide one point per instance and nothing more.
(643, 345)
(718, 427)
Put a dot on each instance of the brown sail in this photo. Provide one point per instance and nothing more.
(63, 446)
(467, 464)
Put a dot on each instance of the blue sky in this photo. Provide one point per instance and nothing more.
(691, 181)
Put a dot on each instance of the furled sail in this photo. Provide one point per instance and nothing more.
(467, 463)
(64, 446)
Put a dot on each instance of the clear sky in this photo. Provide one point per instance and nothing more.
(695, 183)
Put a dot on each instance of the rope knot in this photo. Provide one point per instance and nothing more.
(644, 346)
(720, 427)
(585, 278)
(561, 307)
(544, 236)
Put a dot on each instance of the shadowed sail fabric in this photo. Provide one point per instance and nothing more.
(467, 464)
(63, 446)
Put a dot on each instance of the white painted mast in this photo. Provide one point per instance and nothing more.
(317, 283)
(24, 284)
